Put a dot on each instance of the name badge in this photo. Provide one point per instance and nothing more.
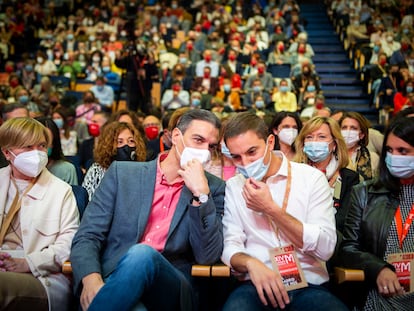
(403, 262)
(285, 263)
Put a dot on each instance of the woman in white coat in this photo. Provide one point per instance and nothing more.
(38, 219)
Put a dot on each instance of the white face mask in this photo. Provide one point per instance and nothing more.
(30, 163)
(202, 155)
(288, 135)
(351, 137)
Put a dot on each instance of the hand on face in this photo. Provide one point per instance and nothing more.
(194, 177)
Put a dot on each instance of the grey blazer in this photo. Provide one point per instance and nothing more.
(117, 215)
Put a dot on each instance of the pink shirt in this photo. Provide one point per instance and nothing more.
(86, 113)
(164, 203)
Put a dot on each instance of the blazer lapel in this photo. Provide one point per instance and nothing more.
(147, 182)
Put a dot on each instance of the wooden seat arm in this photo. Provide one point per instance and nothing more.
(218, 270)
(67, 267)
(347, 275)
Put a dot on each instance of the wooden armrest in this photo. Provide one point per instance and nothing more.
(218, 270)
(345, 275)
(67, 267)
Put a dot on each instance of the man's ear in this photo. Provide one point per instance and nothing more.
(271, 141)
(175, 136)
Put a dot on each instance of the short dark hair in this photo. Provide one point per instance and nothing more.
(197, 114)
(403, 128)
(242, 122)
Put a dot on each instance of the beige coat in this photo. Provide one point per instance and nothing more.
(49, 220)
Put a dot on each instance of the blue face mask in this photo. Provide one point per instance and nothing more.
(225, 151)
(58, 122)
(196, 102)
(316, 151)
(400, 166)
(310, 88)
(256, 89)
(376, 48)
(259, 104)
(24, 99)
(28, 67)
(284, 88)
(409, 89)
(226, 87)
(256, 169)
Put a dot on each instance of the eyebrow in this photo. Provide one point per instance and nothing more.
(213, 145)
(252, 148)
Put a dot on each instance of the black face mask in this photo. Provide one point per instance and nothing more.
(125, 153)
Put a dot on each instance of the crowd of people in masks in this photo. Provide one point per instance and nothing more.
(213, 145)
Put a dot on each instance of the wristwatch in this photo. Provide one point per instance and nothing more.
(202, 198)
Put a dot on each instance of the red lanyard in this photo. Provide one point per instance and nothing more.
(402, 230)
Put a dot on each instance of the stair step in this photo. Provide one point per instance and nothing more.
(341, 88)
(339, 81)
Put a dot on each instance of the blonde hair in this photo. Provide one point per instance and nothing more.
(340, 152)
(21, 132)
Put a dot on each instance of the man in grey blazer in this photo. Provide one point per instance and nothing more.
(148, 223)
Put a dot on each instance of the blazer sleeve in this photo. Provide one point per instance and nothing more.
(206, 232)
(95, 225)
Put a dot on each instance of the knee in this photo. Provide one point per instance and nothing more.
(141, 255)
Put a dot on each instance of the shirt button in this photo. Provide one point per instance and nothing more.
(148, 240)
(164, 207)
(24, 232)
(157, 227)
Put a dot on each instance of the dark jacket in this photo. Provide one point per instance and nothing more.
(366, 229)
(349, 178)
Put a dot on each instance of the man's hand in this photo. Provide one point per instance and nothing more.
(388, 284)
(268, 284)
(92, 283)
(257, 196)
(194, 177)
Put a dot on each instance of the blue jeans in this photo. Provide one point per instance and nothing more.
(144, 279)
(311, 298)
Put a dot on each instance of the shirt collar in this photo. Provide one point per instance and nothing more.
(282, 173)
